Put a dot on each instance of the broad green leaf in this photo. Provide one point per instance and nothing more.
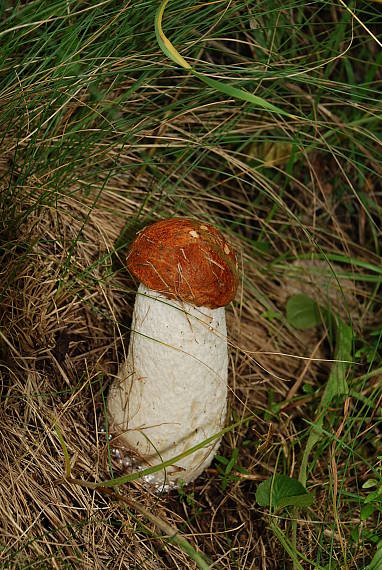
(302, 312)
(367, 511)
(370, 483)
(371, 498)
(296, 501)
(282, 491)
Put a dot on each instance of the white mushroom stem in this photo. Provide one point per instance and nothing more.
(171, 392)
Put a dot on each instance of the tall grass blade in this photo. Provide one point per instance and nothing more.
(234, 92)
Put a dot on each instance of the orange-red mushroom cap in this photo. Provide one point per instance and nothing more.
(187, 260)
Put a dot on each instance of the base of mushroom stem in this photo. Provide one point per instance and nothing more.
(129, 464)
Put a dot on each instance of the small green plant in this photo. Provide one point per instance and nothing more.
(373, 500)
(370, 350)
(304, 313)
(282, 491)
(188, 498)
(271, 315)
(227, 466)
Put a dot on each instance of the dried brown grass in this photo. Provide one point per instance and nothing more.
(66, 311)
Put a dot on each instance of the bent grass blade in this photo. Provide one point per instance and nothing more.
(234, 92)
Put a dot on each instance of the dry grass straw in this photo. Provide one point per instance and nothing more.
(62, 348)
(66, 308)
(62, 338)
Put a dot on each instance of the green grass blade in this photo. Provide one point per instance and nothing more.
(64, 450)
(164, 43)
(138, 475)
(237, 93)
(336, 386)
(234, 92)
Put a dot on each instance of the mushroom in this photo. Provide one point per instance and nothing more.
(171, 392)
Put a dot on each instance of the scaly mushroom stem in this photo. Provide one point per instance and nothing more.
(171, 392)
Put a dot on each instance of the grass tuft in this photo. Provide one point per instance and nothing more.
(271, 133)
